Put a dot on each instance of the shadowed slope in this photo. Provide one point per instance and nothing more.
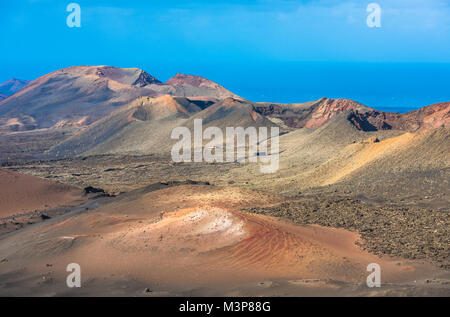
(12, 86)
(142, 126)
(146, 124)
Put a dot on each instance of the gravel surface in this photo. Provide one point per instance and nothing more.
(408, 232)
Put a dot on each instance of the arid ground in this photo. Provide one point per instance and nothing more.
(96, 185)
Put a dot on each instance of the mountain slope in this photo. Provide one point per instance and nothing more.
(142, 126)
(382, 165)
(75, 96)
(310, 114)
(317, 113)
(192, 83)
(80, 95)
(146, 124)
(231, 112)
(305, 151)
(417, 169)
(426, 118)
(23, 193)
(12, 86)
(193, 86)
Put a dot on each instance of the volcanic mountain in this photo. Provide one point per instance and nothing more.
(12, 86)
(126, 110)
(310, 114)
(354, 186)
(145, 125)
(189, 83)
(426, 118)
(78, 96)
(370, 163)
(317, 113)
(74, 96)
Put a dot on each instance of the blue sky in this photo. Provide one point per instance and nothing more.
(274, 50)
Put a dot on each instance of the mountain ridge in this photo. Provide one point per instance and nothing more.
(127, 110)
(80, 95)
(317, 113)
(12, 86)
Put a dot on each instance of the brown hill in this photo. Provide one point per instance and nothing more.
(78, 96)
(146, 124)
(411, 167)
(310, 114)
(305, 151)
(193, 86)
(327, 125)
(391, 165)
(426, 118)
(74, 95)
(22, 193)
(317, 113)
(143, 126)
(197, 81)
(231, 112)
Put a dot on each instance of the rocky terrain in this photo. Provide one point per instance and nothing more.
(318, 113)
(407, 232)
(87, 177)
(191, 239)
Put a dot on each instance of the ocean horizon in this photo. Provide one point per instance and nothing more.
(394, 87)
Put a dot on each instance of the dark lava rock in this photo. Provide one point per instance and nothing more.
(90, 189)
(404, 231)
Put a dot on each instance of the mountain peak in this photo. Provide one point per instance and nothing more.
(145, 79)
(16, 80)
(12, 85)
(193, 80)
(200, 85)
(128, 76)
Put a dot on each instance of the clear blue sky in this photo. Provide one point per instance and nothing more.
(263, 50)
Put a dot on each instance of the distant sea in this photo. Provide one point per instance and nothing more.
(395, 87)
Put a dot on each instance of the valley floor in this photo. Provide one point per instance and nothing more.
(161, 234)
